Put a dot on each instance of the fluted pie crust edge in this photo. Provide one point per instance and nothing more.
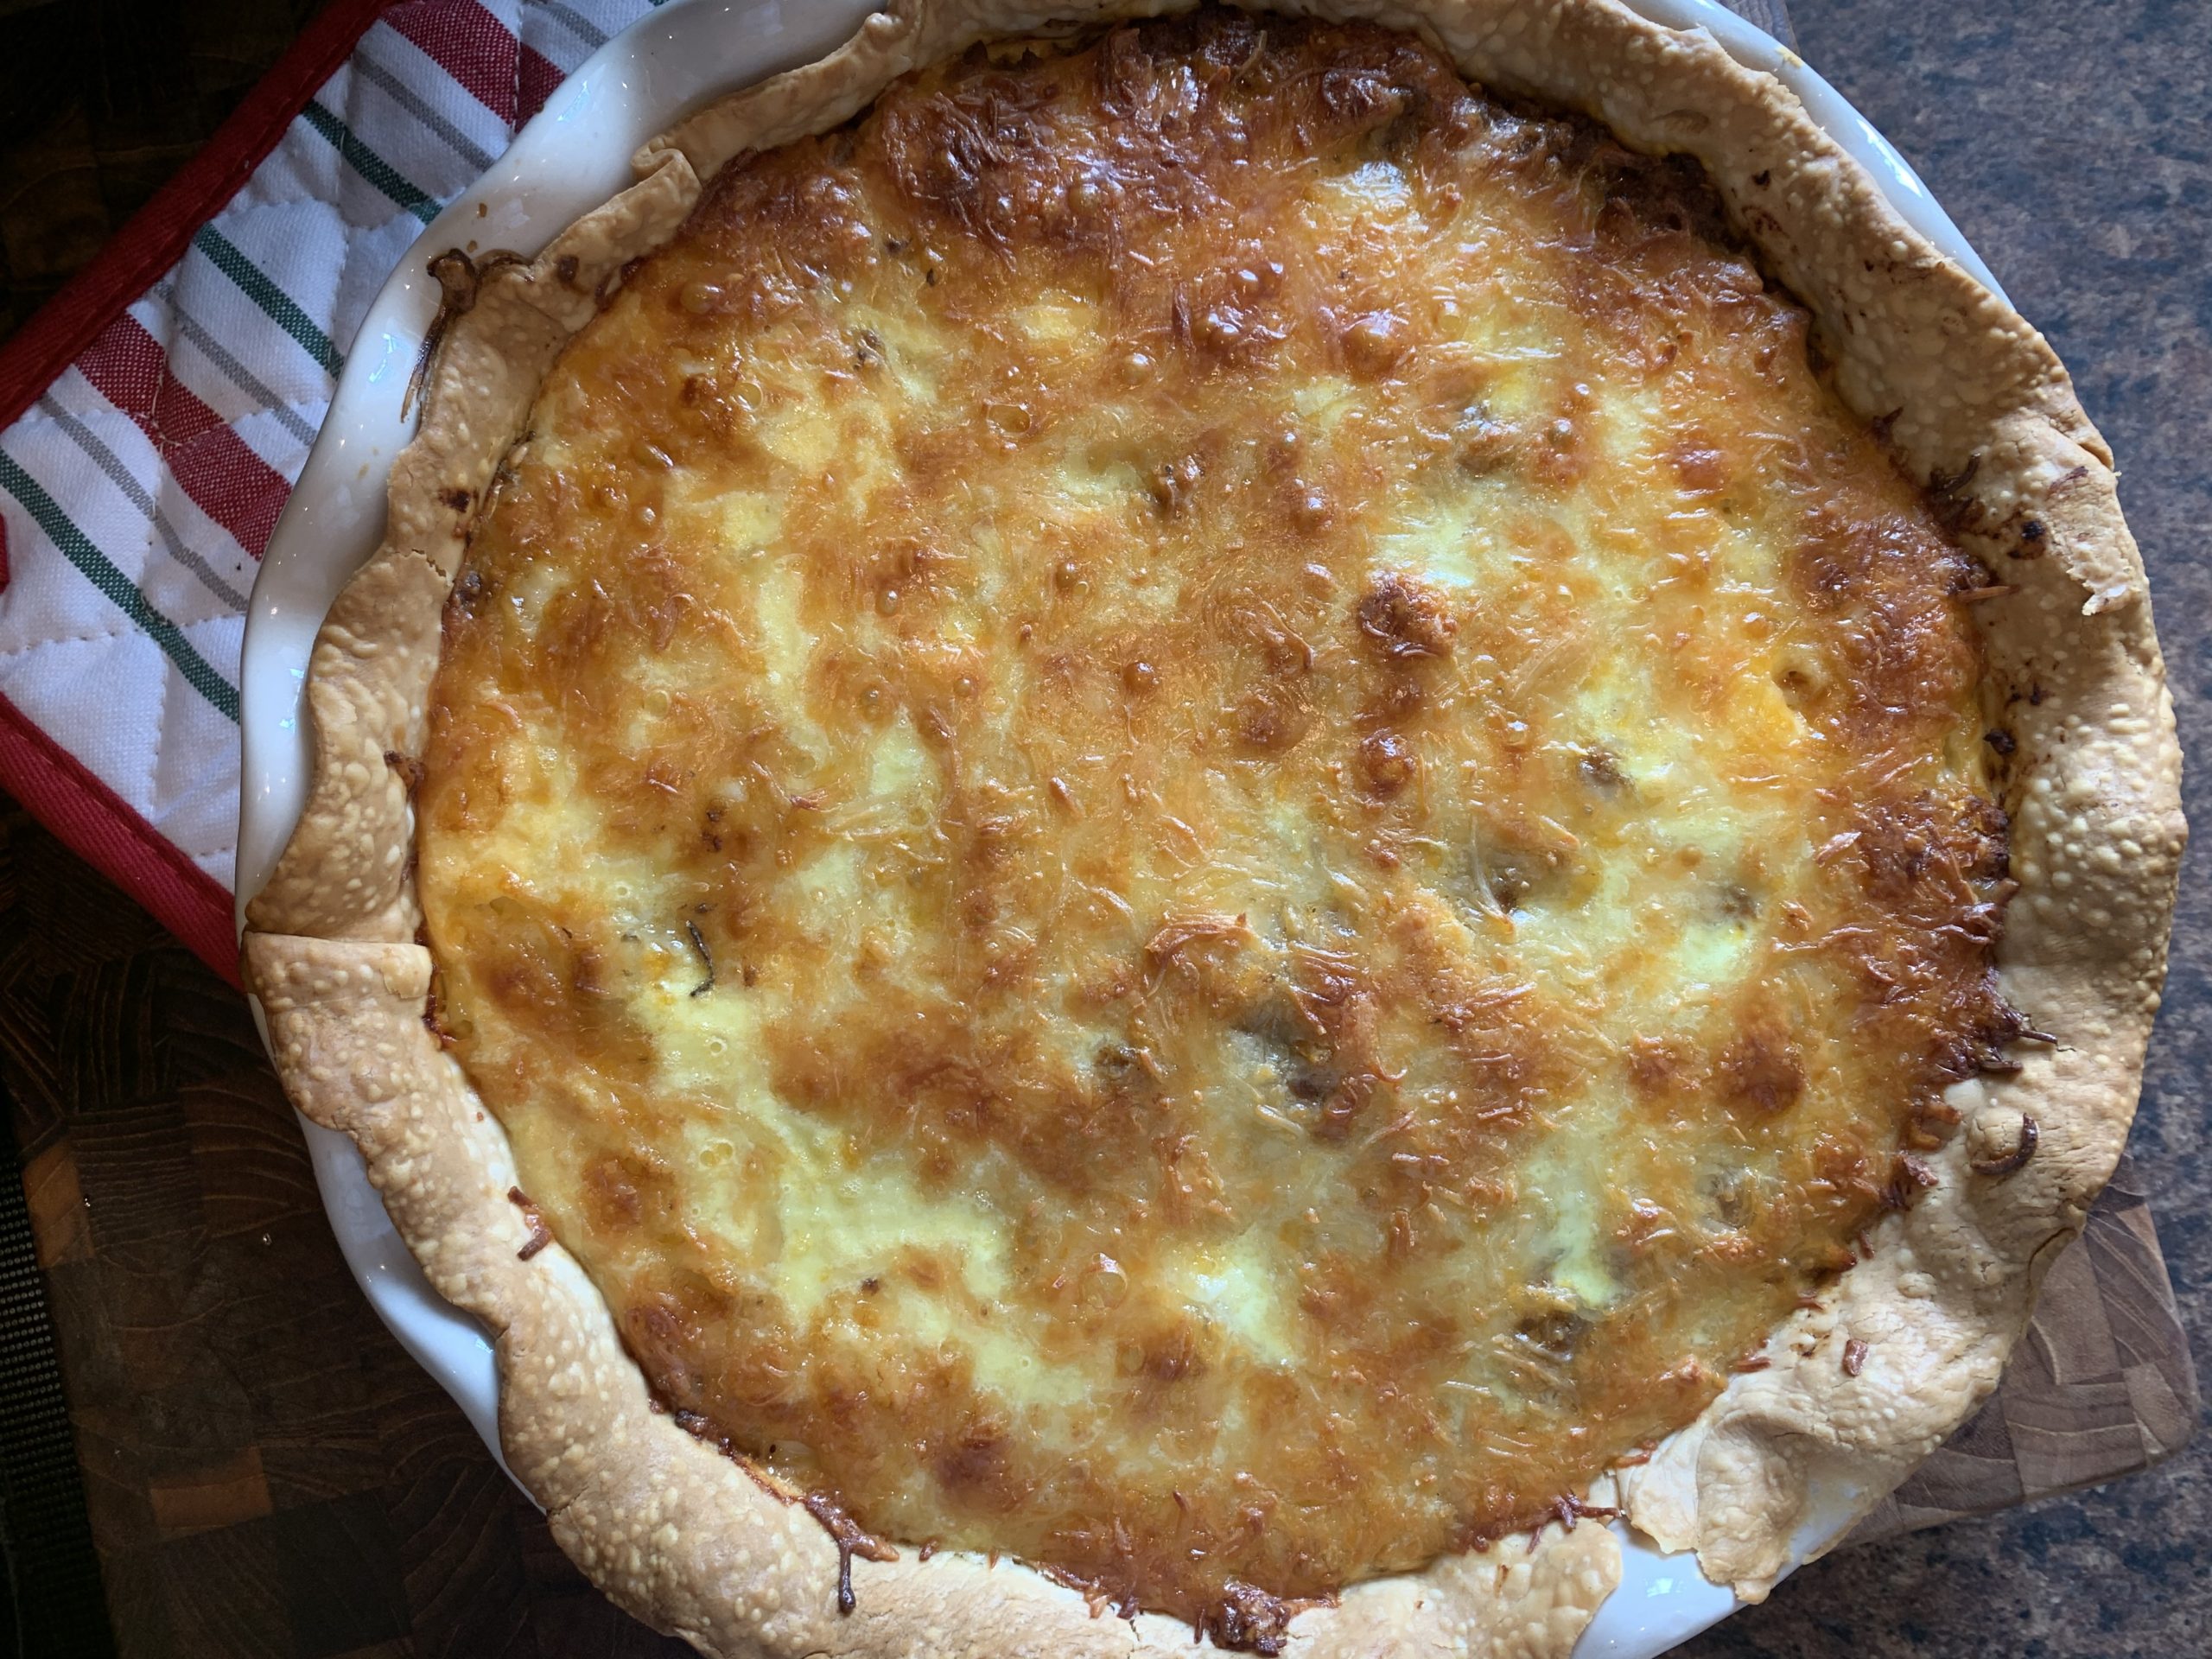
(1975, 403)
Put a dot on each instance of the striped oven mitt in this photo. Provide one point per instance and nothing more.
(159, 412)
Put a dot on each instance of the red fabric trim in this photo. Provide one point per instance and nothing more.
(158, 234)
(469, 44)
(94, 823)
(213, 465)
(52, 784)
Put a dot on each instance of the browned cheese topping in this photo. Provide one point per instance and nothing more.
(1200, 817)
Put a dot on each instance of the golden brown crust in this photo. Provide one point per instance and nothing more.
(1974, 400)
(344, 873)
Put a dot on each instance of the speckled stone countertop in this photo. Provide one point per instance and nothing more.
(2071, 143)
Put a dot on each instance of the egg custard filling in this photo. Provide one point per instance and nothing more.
(1200, 816)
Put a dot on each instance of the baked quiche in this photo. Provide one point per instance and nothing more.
(1165, 817)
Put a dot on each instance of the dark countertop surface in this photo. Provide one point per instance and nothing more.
(2071, 143)
(339, 1504)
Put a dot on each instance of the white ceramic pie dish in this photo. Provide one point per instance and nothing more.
(571, 157)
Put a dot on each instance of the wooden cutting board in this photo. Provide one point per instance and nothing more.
(2101, 1386)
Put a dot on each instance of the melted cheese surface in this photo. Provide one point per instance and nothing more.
(1199, 816)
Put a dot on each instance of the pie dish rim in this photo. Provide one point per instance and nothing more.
(1810, 1537)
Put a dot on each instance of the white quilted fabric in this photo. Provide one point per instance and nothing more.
(138, 493)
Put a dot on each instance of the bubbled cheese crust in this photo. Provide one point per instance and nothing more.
(1198, 816)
